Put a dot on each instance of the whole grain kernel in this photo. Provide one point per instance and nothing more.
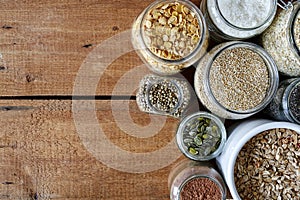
(267, 166)
(239, 79)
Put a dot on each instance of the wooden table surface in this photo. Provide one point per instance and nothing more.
(70, 126)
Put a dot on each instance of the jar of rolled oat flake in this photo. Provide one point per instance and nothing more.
(190, 180)
(236, 79)
(170, 36)
(237, 20)
(282, 39)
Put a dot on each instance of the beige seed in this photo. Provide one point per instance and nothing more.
(181, 44)
(165, 38)
(148, 24)
(167, 45)
(280, 178)
(186, 10)
(162, 20)
(172, 20)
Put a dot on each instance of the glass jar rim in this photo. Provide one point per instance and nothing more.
(286, 100)
(203, 176)
(270, 16)
(182, 125)
(179, 90)
(202, 25)
(272, 70)
(291, 24)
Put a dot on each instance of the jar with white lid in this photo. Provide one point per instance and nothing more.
(237, 20)
(170, 36)
(236, 79)
(282, 39)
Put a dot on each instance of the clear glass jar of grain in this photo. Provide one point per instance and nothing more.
(282, 39)
(170, 36)
(195, 180)
(286, 104)
(236, 79)
(163, 95)
(237, 20)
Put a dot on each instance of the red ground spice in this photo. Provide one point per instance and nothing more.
(200, 189)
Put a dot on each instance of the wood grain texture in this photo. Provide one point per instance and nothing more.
(54, 47)
(42, 156)
(44, 43)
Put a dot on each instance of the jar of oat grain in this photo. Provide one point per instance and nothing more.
(170, 36)
(236, 79)
(282, 39)
(237, 20)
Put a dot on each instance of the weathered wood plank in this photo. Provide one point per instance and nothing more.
(43, 155)
(44, 43)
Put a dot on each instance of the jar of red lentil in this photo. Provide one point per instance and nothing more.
(286, 104)
(236, 79)
(191, 180)
(170, 36)
(237, 20)
(282, 39)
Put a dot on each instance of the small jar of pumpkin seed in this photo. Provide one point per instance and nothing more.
(170, 36)
(201, 136)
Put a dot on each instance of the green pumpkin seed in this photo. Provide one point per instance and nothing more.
(205, 136)
(214, 128)
(207, 121)
(200, 118)
(201, 137)
(202, 129)
(188, 140)
(198, 140)
(193, 151)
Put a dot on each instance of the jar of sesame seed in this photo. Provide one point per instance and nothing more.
(170, 36)
(237, 20)
(236, 79)
(282, 39)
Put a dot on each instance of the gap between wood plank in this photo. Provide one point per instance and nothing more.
(69, 97)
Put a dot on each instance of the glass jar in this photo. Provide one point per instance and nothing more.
(201, 136)
(236, 79)
(240, 20)
(286, 104)
(282, 39)
(201, 179)
(170, 36)
(163, 95)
